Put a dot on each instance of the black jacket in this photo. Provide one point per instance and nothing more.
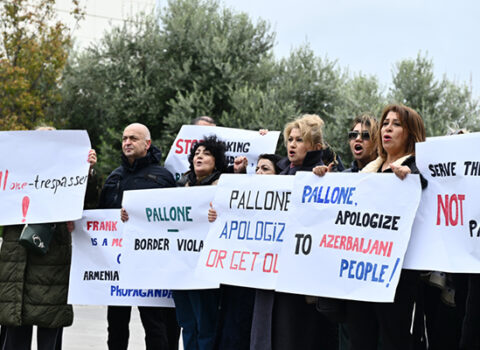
(189, 179)
(353, 169)
(144, 173)
(312, 159)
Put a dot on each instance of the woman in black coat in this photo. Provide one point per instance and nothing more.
(198, 310)
(291, 321)
(388, 325)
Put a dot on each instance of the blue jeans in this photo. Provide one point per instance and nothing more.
(197, 314)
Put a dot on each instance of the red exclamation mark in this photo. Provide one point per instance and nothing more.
(25, 204)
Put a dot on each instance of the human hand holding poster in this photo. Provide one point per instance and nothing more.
(43, 175)
(164, 237)
(95, 273)
(243, 246)
(348, 234)
(238, 142)
(446, 231)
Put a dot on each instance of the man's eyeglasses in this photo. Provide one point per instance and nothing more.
(352, 135)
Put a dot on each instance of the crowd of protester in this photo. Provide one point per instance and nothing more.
(431, 310)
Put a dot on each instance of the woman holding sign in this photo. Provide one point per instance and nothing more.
(197, 310)
(295, 322)
(389, 324)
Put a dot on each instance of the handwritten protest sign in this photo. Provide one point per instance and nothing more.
(95, 275)
(164, 236)
(243, 246)
(238, 142)
(43, 175)
(348, 234)
(446, 232)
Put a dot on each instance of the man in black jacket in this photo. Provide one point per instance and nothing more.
(140, 169)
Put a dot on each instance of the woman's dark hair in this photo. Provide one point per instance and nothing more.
(273, 158)
(216, 147)
(411, 121)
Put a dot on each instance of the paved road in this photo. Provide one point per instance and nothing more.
(89, 330)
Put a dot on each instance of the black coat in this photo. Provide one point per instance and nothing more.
(353, 169)
(144, 173)
(312, 159)
(288, 321)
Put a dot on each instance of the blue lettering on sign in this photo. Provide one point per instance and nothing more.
(362, 270)
(253, 231)
(328, 194)
(142, 293)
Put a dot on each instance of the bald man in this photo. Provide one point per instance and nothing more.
(140, 169)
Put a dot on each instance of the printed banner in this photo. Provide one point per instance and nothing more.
(348, 241)
(164, 237)
(446, 232)
(238, 142)
(43, 175)
(95, 275)
(243, 246)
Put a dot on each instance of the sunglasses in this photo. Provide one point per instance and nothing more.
(364, 135)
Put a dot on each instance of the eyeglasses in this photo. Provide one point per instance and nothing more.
(364, 135)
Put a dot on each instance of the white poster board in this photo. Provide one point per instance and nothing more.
(446, 232)
(238, 143)
(348, 234)
(43, 175)
(95, 274)
(243, 246)
(164, 236)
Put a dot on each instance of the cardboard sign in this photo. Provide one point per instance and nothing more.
(238, 143)
(348, 234)
(446, 232)
(164, 236)
(43, 175)
(243, 246)
(96, 276)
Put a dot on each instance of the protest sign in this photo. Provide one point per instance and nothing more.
(95, 275)
(348, 234)
(446, 232)
(243, 246)
(238, 143)
(164, 236)
(43, 175)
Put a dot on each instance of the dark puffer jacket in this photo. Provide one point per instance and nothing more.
(144, 173)
(34, 288)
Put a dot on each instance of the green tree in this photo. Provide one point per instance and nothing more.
(164, 72)
(441, 103)
(313, 84)
(33, 51)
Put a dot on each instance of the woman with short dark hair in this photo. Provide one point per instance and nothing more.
(197, 310)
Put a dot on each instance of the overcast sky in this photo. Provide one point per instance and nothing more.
(372, 35)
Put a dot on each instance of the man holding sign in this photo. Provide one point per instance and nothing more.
(140, 169)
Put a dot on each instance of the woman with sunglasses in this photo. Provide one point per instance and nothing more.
(362, 139)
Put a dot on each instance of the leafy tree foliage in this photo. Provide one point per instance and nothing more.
(166, 74)
(198, 58)
(441, 103)
(33, 52)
